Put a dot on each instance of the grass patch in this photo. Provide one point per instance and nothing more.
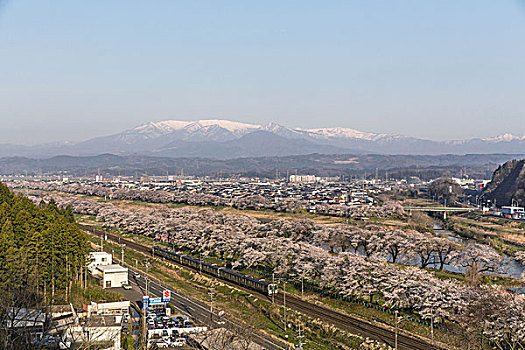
(93, 292)
(256, 312)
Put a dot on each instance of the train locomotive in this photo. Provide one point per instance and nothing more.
(256, 284)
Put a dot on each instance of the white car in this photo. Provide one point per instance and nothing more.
(162, 344)
(179, 342)
(126, 286)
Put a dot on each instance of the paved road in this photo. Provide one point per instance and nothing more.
(195, 309)
(345, 322)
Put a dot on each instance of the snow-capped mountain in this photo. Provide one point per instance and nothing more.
(505, 138)
(226, 139)
(345, 133)
(217, 130)
(222, 130)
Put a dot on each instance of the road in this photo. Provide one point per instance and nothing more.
(195, 309)
(340, 320)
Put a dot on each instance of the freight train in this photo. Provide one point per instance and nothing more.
(256, 284)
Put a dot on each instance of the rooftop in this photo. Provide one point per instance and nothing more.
(99, 253)
(112, 268)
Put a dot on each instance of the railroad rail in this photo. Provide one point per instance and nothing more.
(340, 320)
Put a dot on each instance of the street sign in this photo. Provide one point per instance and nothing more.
(221, 314)
(145, 302)
(166, 295)
(155, 301)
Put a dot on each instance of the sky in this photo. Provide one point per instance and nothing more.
(437, 69)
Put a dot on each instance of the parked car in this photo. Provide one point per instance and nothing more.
(179, 342)
(126, 286)
(162, 344)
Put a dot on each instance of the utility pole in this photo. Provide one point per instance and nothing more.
(145, 337)
(395, 337)
(302, 286)
(123, 246)
(147, 268)
(101, 243)
(284, 304)
(300, 336)
(211, 294)
(273, 282)
(432, 329)
(144, 332)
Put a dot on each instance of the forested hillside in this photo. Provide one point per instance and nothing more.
(397, 166)
(42, 251)
(508, 183)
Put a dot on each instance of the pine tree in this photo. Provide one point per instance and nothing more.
(42, 248)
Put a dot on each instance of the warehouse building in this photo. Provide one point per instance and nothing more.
(112, 276)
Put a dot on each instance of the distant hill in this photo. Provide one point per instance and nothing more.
(224, 139)
(508, 183)
(358, 165)
(254, 144)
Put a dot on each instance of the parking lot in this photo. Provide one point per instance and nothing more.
(163, 331)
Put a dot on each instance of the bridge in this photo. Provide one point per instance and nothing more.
(443, 210)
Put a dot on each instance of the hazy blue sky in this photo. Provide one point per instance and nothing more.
(439, 69)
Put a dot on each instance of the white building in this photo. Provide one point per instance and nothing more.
(303, 178)
(99, 259)
(117, 308)
(112, 276)
(97, 330)
(513, 212)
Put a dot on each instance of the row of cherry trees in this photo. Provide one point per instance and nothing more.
(255, 202)
(520, 257)
(211, 230)
(348, 259)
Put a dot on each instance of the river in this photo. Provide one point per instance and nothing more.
(512, 267)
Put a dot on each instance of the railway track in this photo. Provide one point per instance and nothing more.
(200, 311)
(355, 326)
(342, 321)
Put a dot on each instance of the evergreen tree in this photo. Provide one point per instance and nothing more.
(42, 249)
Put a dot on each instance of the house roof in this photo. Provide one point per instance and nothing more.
(112, 268)
(99, 253)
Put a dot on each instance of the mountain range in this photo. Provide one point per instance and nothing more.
(223, 139)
